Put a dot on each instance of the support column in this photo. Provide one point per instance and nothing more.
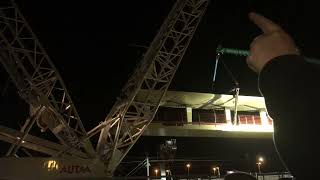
(235, 117)
(189, 115)
(263, 117)
(227, 112)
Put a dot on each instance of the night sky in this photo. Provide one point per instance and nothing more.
(96, 44)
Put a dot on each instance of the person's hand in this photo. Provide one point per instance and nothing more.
(272, 43)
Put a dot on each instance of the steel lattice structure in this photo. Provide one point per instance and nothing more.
(129, 117)
(51, 107)
(38, 83)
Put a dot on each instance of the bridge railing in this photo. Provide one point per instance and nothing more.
(178, 117)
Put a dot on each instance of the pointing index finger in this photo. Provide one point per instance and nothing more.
(265, 24)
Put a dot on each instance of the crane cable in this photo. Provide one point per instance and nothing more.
(219, 52)
(236, 89)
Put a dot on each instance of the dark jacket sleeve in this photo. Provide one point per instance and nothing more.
(291, 88)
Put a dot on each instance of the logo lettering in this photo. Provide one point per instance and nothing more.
(74, 169)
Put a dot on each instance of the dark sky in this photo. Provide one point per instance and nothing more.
(92, 43)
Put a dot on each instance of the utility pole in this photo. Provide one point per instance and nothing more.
(147, 166)
(235, 117)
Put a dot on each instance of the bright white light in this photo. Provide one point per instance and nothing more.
(68, 107)
(261, 159)
(247, 128)
(20, 138)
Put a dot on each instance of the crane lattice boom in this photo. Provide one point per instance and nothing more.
(38, 83)
(129, 117)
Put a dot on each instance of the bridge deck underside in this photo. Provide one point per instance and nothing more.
(210, 130)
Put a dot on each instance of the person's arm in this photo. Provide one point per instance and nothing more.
(290, 87)
(289, 83)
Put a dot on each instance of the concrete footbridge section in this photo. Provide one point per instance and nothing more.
(193, 114)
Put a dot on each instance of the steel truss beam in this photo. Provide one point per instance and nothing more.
(24, 130)
(129, 117)
(38, 144)
(38, 81)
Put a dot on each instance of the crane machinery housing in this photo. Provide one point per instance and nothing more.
(40, 85)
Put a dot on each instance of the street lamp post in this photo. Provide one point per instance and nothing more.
(188, 167)
(168, 173)
(156, 171)
(218, 170)
(259, 163)
(259, 167)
